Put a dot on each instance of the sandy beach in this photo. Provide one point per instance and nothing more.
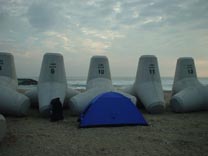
(167, 134)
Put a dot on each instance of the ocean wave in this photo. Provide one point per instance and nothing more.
(118, 82)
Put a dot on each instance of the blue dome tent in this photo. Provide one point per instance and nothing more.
(111, 109)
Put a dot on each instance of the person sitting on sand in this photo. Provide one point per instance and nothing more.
(56, 110)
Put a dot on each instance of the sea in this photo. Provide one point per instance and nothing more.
(122, 82)
(79, 83)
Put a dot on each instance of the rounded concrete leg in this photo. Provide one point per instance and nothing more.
(156, 108)
(13, 103)
(33, 96)
(81, 101)
(2, 127)
(187, 100)
(152, 97)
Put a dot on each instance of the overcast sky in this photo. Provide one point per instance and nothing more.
(122, 30)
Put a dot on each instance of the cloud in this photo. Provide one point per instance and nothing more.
(177, 12)
(101, 34)
(95, 47)
(42, 15)
(120, 29)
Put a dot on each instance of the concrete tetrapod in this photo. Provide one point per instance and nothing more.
(188, 94)
(12, 102)
(52, 83)
(2, 127)
(98, 82)
(147, 86)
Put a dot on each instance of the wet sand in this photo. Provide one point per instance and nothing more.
(167, 134)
